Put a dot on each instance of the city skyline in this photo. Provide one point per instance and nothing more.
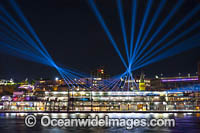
(106, 65)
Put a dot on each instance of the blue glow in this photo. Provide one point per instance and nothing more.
(18, 29)
(161, 5)
(116, 84)
(149, 4)
(120, 10)
(171, 42)
(20, 14)
(178, 5)
(112, 83)
(100, 18)
(24, 46)
(169, 33)
(22, 54)
(181, 47)
(134, 9)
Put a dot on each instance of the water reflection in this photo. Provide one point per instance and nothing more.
(100, 115)
(184, 122)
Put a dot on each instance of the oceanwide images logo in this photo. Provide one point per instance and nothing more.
(46, 121)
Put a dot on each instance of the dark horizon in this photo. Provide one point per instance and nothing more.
(74, 38)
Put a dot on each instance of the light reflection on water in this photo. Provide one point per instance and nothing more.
(185, 122)
(101, 115)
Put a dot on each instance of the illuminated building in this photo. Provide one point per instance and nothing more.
(176, 100)
(166, 94)
(98, 77)
(7, 82)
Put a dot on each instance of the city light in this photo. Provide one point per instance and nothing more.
(35, 50)
(56, 78)
(141, 32)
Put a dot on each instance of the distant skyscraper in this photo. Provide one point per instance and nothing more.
(99, 77)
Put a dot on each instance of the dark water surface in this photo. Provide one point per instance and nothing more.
(185, 123)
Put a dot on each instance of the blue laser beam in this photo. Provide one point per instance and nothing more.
(171, 42)
(20, 44)
(179, 48)
(109, 85)
(25, 52)
(115, 85)
(22, 17)
(22, 34)
(29, 27)
(166, 20)
(120, 11)
(172, 31)
(149, 4)
(155, 17)
(22, 54)
(25, 21)
(134, 9)
(100, 18)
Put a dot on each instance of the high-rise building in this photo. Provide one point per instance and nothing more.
(99, 77)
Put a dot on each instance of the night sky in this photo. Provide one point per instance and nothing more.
(74, 38)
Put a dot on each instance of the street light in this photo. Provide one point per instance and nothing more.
(56, 79)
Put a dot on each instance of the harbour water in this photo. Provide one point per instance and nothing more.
(185, 123)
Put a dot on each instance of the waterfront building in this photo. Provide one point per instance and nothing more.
(174, 100)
